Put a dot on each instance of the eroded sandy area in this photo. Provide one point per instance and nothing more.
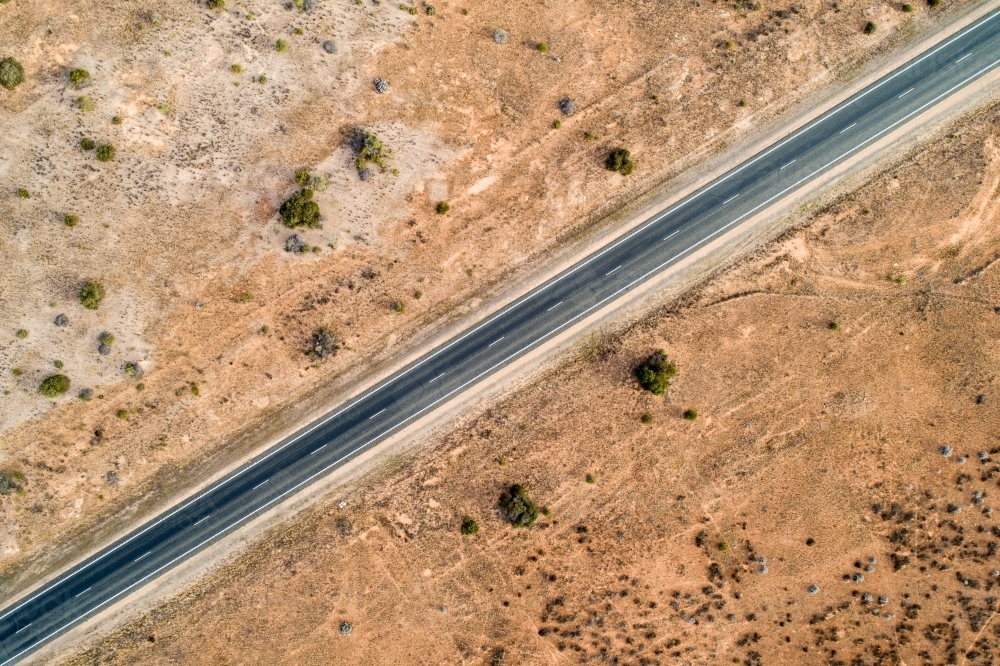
(845, 386)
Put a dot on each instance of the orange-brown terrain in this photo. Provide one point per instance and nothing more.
(846, 390)
(211, 112)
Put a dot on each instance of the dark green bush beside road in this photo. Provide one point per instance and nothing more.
(655, 373)
(517, 507)
(620, 160)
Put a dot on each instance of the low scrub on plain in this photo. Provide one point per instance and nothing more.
(91, 294)
(54, 386)
(517, 508)
(620, 160)
(11, 73)
(655, 373)
(299, 210)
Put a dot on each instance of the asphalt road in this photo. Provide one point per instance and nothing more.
(663, 240)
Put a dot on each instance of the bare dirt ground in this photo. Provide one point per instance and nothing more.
(860, 458)
(210, 121)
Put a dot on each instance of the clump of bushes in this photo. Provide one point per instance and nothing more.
(11, 73)
(299, 210)
(469, 526)
(78, 76)
(54, 386)
(9, 482)
(620, 160)
(655, 373)
(216, 4)
(517, 508)
(91, 294)
(369, 150)
(324, 344)
(105, 152)
(133, 370)
(442, 208)
(104, 342)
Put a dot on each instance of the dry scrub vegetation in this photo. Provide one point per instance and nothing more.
(833, 503)
(141, 201)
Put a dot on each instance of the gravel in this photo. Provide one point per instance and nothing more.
(330, 46)
(567, 106)
(294, 243)
(61, 320)
(381, 86)
(500, 36)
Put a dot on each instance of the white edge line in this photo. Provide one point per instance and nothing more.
(655, 219)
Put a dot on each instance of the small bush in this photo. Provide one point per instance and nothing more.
(399, 307)
(281, 45)
(556, 124)
(589, 136)
(646, 418)
(11, 73)
(246, 297)
(78, 76)
(133, 370)
(368, 149)
(21, 334)
(216, 4)
(870, 28)
(85, 394)
(116, 120)
(106, 338)
(833, 326)
(542, 47)
(442, 208)
(517, 508)
(236, 68)
(431, 10)
(620, 160)
(897, 278)
(591, 479)
(85, 104)
(690, 415)
(105, 152)
(91, 294)
(87, 143)
(723, 547)
(164, 109)
(302, 177)
(299, 210)
(58, 364)
(907, 8)
(122, 414)
(54, 386)
(23, 194)
(655, 373)
(324, 344)
(933, 3)
(469, 526)
(17, 372)
(70, 220)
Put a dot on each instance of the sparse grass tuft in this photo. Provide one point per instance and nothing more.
(21, 334)
(399, 307)
(23, 194)
(542, 47)
(833, 326)
(216, 4)
(236, 68)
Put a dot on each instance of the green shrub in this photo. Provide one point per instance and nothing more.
(11, 73)
(78, 76)
(299, 210)
(133, 370)
(431, 10)
(236, 68)
(833, 326)
(17, 372)
(58, 364)
(399, 307)
(246, 297)
(442, 208)
(216, 4)
(517, 507)
(281, 46)
(591, 479)
(91, 294)
(646, 418)
(85, 103)
(589, 136)
(302, 177)
(368, 149)
(870, 28)
(542, 47)
(85, 394)
(722, 547)
(655, 373)
(556, 124)
(87, 143)
(933, 3)
(106, 339)
(105, 152)
(23, 194)
(116, 120)
(907, 8)
(690, 415)
(620, 160)
(469, 526)
(54, 386)
(70, 220)
(21, 334)
(122, 414)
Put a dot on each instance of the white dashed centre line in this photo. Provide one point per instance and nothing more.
(24, 627)
(377, 413)
(554, 306)
(260, 484)
(906, 93)
(437, 378)
(142, 556)
(612, 270)
(729, 199)
(496, 341)
(847, 128)
(318, 450)
(789, 164)
(962, 58)
(203, 520)
(84, 592)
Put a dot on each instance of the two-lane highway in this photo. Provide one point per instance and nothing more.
(454, 367)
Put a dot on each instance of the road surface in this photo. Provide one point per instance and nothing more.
(664, 239)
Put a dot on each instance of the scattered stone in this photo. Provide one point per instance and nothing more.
(882, 601)
(199, 305)
(330, 46)
(995, 573)
(980, 399)
(983, 456)
(872, 560)
(308, 5)
(111, 478)
(953, 508)
(946, 451)
(870, 569)
(813, 589)
(61, 320)
(344, 526)
(381, 86)
(960, 460)
(567, 106)
(103, 349)
(763, 569)
(866, 597)
(295, 243)
(858, 578)
(500, 37)
(345, 627)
